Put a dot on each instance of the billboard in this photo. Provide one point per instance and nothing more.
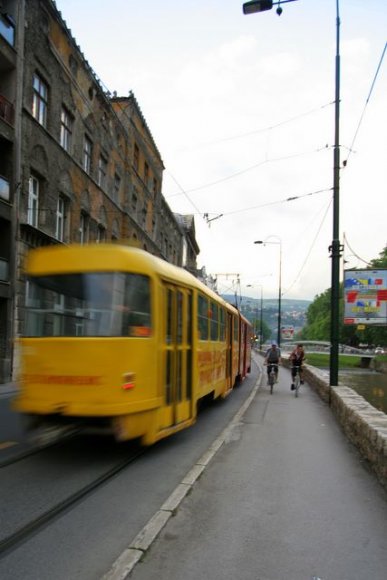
(287, 332)
(365, 297)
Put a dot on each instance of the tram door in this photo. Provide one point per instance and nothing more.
(229, 340)
(177, 354)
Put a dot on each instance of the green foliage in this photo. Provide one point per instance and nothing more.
(380, 262)
(266, 330)
(318, 318)
(319, 313)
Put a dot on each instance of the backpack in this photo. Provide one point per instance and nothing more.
(273, 355)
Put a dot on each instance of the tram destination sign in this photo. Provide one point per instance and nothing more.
(365, 297)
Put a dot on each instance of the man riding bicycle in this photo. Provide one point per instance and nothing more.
(297, 357)
(272, 359)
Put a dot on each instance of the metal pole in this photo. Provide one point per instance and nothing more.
(335, 248)
(261, 317)
(279, 299)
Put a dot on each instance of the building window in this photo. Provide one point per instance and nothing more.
(73, 64)
(33, 202)
(116, 189)
(134, 203)
(146, 173)
(87, 151)
(66, 129)
(102, 171)
(84, 228)
(154, 186)
(101, 234)
(136, 157)
(40, 100)
(61, 212)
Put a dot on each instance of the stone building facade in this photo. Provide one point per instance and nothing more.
(77, 165)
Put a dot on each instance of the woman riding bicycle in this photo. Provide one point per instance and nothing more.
(297, 357)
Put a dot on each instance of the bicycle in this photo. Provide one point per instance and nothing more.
(296, 379)
(272, 375)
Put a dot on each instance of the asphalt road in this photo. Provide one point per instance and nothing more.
(83, 543)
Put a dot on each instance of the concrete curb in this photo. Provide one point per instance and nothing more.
(126, 562)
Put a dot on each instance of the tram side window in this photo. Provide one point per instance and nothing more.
(214, 321)
(236, 331)
(222, 324)
(203, 317)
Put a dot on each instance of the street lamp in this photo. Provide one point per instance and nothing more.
(279, 282)
(261, 315)
(335, 248)
(263, 5)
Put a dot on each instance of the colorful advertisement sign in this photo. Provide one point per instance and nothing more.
(287, 332)
(365, 297)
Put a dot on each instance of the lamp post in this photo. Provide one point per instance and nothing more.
(335, 248)
(279, 282)
(261, 315)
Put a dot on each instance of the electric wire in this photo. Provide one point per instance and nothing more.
(353, 252)
(246, 170)
(310, 249)
(263, 129)
(366, 104)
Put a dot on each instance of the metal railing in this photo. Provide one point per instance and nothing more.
(4, 270)
(6, 110)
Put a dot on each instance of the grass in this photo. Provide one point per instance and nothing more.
(321, 360)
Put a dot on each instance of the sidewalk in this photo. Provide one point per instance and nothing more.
(286, 497)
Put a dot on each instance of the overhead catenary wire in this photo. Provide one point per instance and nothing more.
(263, 129)
(353, 251)
(310, 249)
(365, 106)
(247, 169)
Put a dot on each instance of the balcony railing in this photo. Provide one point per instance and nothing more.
(4, 270)
(7, 28)
(6, 110)
(4, 188)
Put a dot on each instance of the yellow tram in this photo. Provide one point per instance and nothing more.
(118, 339)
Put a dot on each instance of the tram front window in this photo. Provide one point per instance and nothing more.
(88, 304)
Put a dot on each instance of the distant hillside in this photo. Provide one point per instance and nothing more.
(293, 312)
(268, 303)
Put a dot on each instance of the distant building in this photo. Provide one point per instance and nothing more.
(76, 163)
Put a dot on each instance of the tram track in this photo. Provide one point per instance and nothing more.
(19, 536)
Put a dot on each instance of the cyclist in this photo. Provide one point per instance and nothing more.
(272, 356)
(297, 357)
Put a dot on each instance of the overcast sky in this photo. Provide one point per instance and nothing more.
(242, 111)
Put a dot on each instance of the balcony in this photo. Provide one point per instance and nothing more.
(4, 270)
(7, 28)
(6, 110)
(4, 188)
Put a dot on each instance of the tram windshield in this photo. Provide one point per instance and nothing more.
(88, 304)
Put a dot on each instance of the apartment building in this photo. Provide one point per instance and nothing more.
(76, 163)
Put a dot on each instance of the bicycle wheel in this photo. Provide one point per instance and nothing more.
(271, 381)
(296, 384)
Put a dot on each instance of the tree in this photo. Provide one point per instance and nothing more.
(266, 330)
